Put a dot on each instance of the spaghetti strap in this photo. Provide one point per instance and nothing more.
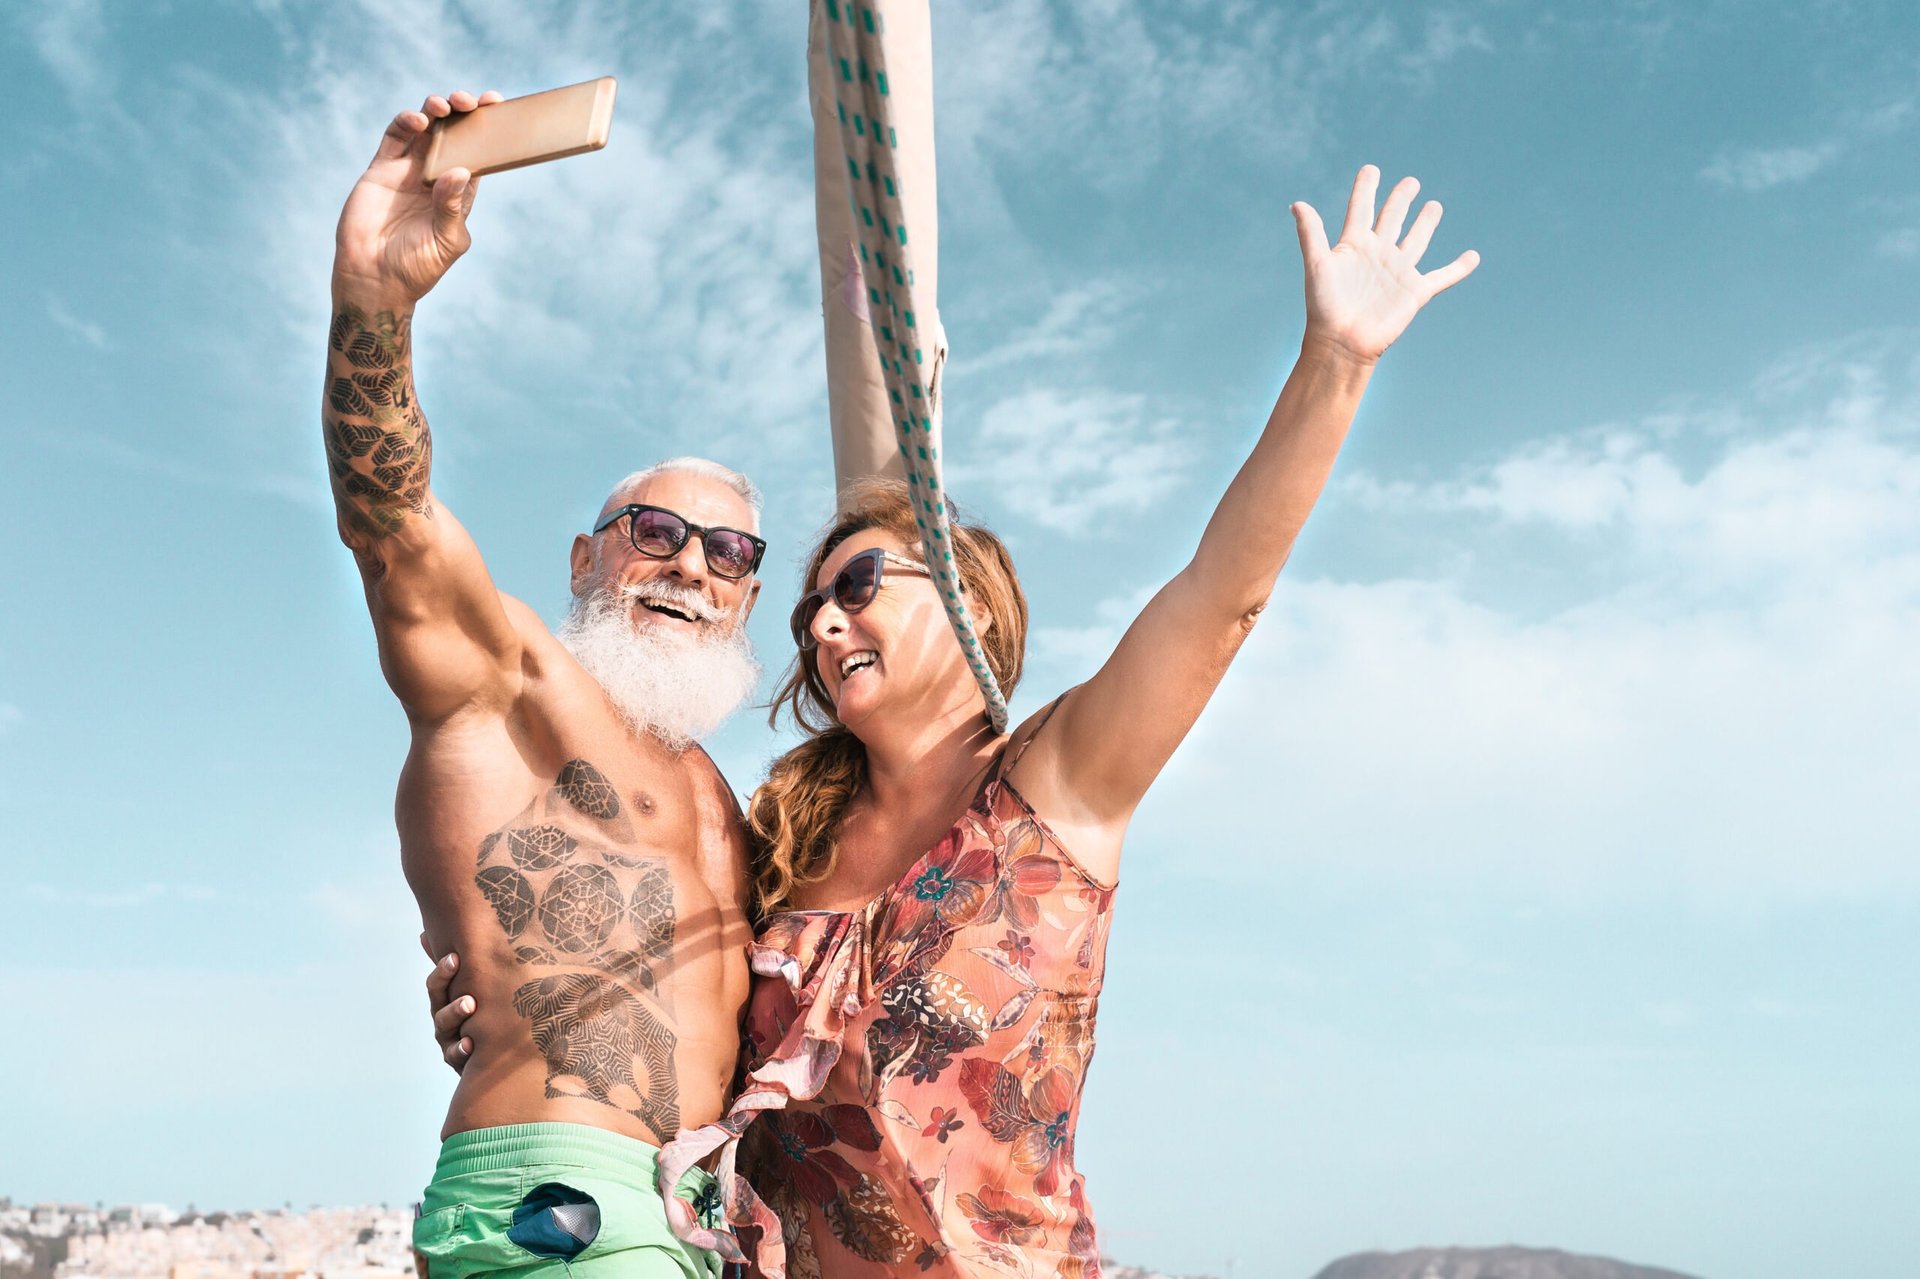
(1018, 755)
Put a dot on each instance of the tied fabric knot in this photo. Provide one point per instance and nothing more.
(835, 987)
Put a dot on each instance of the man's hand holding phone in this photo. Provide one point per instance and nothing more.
(397, 235)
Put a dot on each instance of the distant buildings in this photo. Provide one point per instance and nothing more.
(151, 1241)
(48, 1220)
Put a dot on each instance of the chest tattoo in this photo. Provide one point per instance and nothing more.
(570, 890)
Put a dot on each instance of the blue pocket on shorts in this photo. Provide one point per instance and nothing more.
(555, 1221)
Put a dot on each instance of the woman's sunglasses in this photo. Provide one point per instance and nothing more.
(852, 588)
(659, 534)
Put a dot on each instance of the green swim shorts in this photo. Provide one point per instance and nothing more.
(533, 1200)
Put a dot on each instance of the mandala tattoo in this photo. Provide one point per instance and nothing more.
(592, 1030)
(511, 897)
(378, 447)
(587, 789)
(580, 908)
(571, 889)
(541, 848)
(651, 911)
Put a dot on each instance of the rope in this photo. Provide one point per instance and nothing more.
(859, 71)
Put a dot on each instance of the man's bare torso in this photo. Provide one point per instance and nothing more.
(592, 882)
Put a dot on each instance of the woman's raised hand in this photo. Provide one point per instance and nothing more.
(1364, 291)
(397, 236)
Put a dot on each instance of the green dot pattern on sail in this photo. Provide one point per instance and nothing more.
(856, 42)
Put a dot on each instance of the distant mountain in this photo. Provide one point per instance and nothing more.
(1487, 1263)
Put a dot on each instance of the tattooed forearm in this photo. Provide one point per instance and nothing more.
(378, 446)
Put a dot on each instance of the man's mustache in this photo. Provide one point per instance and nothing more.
(685, 598)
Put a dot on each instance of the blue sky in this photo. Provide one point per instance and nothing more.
(1547, 869)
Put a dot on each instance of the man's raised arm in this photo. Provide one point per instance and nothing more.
(446, 642)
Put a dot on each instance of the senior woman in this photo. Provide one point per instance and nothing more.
(934, 898)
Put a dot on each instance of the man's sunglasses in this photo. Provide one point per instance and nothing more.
(852, 588)
(659, 534)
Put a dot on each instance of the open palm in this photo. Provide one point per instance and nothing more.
(1363, 291)
(397, 236)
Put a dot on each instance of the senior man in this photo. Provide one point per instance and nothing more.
(559, 826)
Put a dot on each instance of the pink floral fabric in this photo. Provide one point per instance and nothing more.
(916, 1070)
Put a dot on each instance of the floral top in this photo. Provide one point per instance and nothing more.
(916, 1068)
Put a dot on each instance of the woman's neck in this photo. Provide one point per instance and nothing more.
(914, 759)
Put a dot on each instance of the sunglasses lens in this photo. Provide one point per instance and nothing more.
(659, 533)
(854, 585)
(853, 588)
(802, 622)
(729, 554)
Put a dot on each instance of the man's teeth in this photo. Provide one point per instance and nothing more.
(858, 661)
(668, 609)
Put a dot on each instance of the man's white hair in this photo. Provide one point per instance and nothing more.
(693, 466)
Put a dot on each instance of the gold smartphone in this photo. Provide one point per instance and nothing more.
(522, 131)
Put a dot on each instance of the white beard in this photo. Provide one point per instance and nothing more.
(677, 685)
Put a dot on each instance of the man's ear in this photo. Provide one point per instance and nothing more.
(580, 560)
(746, 605)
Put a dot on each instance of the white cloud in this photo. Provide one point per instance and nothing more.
(69, 35)
(1066, 459)
(85, 330)
(671, 276)
(1078, 320)
(1025, 80)
(1447, 36)
(1795, 503)
(1848, 131)
(1761, 169)
(1577, 484)
(1739, 715)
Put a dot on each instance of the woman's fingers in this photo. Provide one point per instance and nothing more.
(1313, 235)
(1452, 273)
(449, 1015)
(1360, 204)
(1393, 214)
(448, 1020)
(436, 106)
(440, 979)
(1420, 234)
(490, 97)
